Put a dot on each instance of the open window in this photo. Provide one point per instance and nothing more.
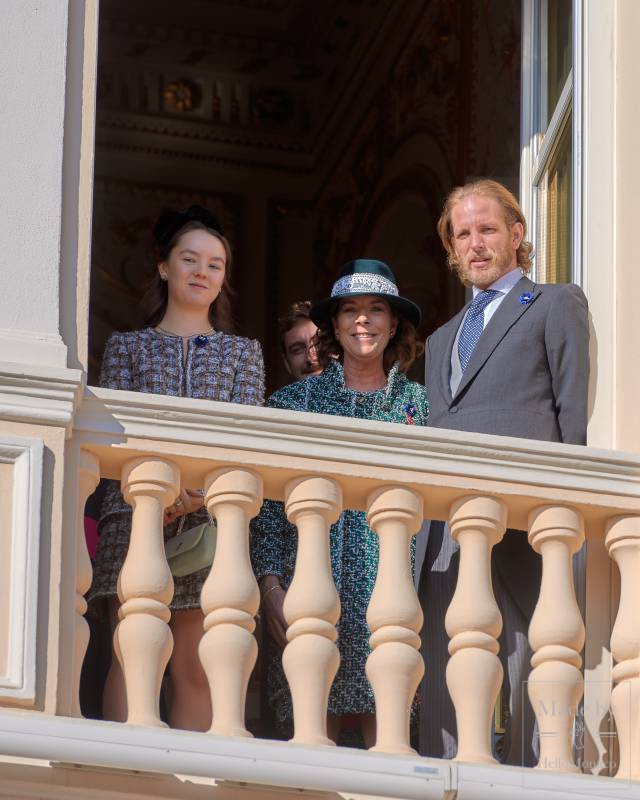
(551, 129)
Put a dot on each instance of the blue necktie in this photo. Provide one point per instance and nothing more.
(473, 325)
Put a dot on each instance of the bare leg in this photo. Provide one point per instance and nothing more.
(191, 705)
(114, 696)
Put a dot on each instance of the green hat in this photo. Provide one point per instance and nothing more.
(366, 276)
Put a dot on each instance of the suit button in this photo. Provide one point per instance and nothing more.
(453, 410)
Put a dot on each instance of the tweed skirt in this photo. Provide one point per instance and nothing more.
(115, 533)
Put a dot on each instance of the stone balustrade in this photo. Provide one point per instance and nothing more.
(88, 478)
(394, 616)
(319, 466)
(311, 607)
(142, 639)
(230, 598)
(473, 623)
(556, 635)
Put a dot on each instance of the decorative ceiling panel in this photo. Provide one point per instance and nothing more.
(269, 75)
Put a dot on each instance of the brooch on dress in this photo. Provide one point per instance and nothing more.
(200, 341)
(525, 298)
(410, 410)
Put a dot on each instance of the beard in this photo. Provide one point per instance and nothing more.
(500, 262)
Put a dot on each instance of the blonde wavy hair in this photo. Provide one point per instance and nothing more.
(512, 214)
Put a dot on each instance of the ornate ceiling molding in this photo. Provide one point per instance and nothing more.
(197, 131)
(286, 88)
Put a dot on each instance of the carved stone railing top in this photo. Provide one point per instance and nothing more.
(440, 465)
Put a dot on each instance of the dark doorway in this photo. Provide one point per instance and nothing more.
(319, 132)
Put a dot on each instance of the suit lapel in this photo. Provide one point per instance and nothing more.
(445, 366)
(509, 311)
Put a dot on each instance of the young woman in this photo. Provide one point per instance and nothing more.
(366, 341)
(187, 350)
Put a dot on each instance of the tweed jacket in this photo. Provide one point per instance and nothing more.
(217, 367)
(274, 554)
(529, 373)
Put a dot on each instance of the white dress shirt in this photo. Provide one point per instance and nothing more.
(503, 285)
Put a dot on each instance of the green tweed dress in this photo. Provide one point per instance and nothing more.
(354, 546)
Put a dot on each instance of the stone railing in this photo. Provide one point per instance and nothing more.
(399, 475)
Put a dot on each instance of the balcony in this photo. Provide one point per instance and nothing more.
(399, 475)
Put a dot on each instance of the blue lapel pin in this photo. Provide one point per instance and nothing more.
(525, 298)
(410, 411)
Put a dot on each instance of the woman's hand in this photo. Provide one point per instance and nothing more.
(187, 502)
(272, 601)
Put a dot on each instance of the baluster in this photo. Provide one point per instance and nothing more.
(312, 607)
(230, 598)
(394, 667)
(623, 543)
(88, 478)
(473, 623)
(556, 635)
(143, 640)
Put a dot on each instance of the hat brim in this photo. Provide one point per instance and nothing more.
(320, 312)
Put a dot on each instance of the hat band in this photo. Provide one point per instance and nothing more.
(363, 283)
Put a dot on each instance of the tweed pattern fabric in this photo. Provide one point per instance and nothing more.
(353, 545)
(217, 367)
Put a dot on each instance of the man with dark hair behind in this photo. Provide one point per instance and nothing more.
(297, 331)
(513, 362)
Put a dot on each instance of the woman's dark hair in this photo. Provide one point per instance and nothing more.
(403, 348)
(154, 302)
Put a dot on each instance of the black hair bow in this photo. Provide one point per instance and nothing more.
(170, 222)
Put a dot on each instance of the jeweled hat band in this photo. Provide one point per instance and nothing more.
(363, 283)
(365, 276)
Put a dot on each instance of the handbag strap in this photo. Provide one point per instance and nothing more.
(182, 519)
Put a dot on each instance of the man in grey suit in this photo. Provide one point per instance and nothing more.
(513, 362)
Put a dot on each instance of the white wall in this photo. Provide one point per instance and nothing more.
(627, 223)
(33, 38)
(598, 213)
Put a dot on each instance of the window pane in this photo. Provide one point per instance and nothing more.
(557, 213)
(559, 49)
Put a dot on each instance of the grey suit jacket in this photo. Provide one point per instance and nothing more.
(528, 374)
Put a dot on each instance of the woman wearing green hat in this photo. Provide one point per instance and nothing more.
(366, 341)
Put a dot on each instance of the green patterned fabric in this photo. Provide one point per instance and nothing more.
(354, 546)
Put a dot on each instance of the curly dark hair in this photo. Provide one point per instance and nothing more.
(403, 348)
(154, 302)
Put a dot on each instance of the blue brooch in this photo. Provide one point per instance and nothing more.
(200, 341)
(525, 298)
(410, 410)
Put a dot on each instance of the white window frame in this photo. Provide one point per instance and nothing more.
(540, 136)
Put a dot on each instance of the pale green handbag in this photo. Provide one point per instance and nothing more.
(191, 550)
